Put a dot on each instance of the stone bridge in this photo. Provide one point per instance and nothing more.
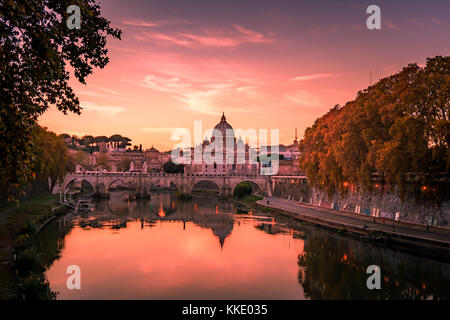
(102, 182)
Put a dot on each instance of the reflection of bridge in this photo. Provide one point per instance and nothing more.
(102, 182)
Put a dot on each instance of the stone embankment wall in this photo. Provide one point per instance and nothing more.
(380, 204)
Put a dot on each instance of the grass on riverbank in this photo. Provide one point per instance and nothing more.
(250, 198)
(14, 220)
(32, 210)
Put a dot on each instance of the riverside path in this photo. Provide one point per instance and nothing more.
(410, 234)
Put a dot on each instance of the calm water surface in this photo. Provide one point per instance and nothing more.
(207, 249)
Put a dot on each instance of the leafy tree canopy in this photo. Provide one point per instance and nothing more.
(396, 131)
(170, 167)
(37, 51)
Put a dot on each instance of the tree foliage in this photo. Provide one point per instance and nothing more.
(242, 189)
(396, 131)
(124, 163)
(102, 161)
(49, 157)
(37, 51)
(170, 167)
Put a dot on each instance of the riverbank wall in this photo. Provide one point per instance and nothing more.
(383, 204)
(425, 247)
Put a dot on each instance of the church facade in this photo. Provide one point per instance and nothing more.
(230, 156)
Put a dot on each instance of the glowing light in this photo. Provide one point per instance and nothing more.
(161, 212)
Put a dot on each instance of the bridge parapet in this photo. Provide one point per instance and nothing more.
(101, 181)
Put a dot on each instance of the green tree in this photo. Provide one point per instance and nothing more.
(88, 140)
(101, 139)
(170, 167)
(50, 158)
(124, 163)
(103, 161)
(397, 130)
(115, 139)
(242, 189)
(79, 157)
(36, 49)
(64, 136)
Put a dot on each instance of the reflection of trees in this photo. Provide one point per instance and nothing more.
(272, 228)
(335, 268)
(51, 241)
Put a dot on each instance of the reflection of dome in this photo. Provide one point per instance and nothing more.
(222, 230)
(223, 126)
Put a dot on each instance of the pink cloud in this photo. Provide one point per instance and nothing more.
(217, 38)
(314, 76)
(305, 98)
(140, 23)
(390, 25)
(436, 21)
(253, 36)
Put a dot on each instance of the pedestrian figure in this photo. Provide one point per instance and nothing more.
(267, 201)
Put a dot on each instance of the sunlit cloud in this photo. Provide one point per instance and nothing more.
(436, 21)
(105, 110)
(230, 37)
(163, 130)
(140, 23)
(253, 36)
(314, 76)
(390, 25)
(305, 98)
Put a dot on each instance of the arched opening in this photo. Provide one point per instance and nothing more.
(206, 186)
(173, 185)
(117, 185)
(79, 186)
(247, 187)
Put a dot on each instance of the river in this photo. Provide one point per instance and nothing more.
(210, 249)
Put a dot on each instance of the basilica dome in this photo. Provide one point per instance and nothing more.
(223, 126)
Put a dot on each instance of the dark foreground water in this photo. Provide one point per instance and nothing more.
(206, 249)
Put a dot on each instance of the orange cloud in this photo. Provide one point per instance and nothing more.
(314, 76)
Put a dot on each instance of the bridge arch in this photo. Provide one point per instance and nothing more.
(197, 181)
(252, 183)
(69, 181)
(175, 183)
(124, 182)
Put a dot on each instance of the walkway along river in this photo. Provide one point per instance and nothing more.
(418, 239)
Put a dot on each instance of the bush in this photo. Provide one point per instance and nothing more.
(170, 167)
(242, 189)
(37, 287)
(28, 261)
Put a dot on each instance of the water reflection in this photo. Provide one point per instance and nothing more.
(334, 268)
(162, 248)
(116, 212)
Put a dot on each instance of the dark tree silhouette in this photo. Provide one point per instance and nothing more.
(36, 49)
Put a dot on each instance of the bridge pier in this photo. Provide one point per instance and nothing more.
(142, 193)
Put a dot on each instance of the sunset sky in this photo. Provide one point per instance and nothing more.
(266, 64)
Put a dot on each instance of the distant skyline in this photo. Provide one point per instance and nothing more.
(266, 64)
